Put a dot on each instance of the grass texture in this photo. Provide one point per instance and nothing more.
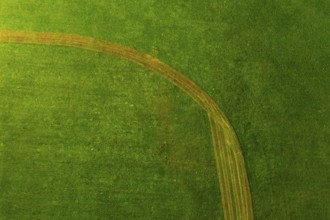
(86, 136)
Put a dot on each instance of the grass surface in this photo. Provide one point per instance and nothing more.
(231, 168)
(79, 141)
(266, 64)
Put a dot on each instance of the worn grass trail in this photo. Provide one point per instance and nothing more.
(233, 180)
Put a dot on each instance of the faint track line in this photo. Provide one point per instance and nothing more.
(233, 179)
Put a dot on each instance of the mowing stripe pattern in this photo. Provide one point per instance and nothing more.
(233, 180)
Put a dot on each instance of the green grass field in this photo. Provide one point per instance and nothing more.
(88, 136)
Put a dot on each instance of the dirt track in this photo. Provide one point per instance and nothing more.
(234, 185)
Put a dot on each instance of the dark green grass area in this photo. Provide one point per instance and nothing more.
(84, 135)
(265, 63)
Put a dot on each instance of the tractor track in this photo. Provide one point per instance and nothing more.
(231, 168)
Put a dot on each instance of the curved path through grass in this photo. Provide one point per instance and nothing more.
(234, 184)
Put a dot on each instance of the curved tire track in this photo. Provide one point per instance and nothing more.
(233, 180)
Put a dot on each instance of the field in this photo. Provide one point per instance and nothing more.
(85, 135)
